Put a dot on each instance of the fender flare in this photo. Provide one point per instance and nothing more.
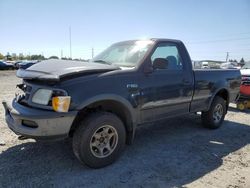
(124, 102)
(216, 93)
(131, 126)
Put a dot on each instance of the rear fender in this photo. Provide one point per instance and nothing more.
(217, 93)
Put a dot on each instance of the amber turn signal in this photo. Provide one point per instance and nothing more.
(61, 104)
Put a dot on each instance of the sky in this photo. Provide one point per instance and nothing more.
(208, 28)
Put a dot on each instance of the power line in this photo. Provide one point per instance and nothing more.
(219, 40)
(216, 51)
(228, 35)
(232, 35)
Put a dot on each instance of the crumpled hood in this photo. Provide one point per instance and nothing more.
(55, 69)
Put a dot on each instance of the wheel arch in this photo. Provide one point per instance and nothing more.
(110, 103)
(223, 93)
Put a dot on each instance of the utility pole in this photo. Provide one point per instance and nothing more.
(61, 54)
(42, 58)
(227, 56)
(70, 52)
(92, 53)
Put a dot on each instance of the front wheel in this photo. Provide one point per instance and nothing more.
(214, 117)
(99, 139)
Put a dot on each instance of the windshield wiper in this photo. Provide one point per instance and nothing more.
(102, 61)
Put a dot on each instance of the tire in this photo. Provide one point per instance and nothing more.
(99, 139)
(214, 117)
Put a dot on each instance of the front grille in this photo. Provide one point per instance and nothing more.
(27, 95)
(28, 88)
(27, 91)
(23, 98)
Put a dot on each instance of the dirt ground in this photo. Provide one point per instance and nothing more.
(176, 153)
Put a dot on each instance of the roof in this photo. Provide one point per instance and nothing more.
(166, 40)
(151, 39)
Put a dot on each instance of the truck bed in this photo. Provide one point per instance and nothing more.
(207, 81)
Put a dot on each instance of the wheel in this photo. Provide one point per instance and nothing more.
(214, 117)
(99, 139)
(241, 106)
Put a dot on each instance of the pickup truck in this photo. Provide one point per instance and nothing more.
(100, 103)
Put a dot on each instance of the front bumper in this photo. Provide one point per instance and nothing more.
(48, 124)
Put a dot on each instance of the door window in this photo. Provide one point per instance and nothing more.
(171, 54)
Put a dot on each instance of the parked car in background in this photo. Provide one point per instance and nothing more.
(6, 66)
(11, 62)
(228, 65)
(25, 64)
(196, 64)
(244, 97)
(245, 73)
(205, 65)
(245, 70)
(16, 64)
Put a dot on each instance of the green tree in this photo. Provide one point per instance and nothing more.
(8, 57)
(53, 57)
(21, 57)
(242, 60)
(37, 57)
(1, 56)
(14, 56)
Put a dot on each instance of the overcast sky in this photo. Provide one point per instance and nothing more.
(208, 28)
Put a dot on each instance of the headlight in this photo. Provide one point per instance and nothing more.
(58, 99)
(42, 96)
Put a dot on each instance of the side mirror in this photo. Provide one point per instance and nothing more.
(160, 63)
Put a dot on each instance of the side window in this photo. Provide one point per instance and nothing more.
(171, 54)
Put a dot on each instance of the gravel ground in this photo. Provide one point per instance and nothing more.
(175, 153)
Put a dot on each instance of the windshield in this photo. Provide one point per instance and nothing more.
(246, 66)
(124, 54)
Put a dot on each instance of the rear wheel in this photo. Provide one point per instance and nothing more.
(214, 117)
(99, 139)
